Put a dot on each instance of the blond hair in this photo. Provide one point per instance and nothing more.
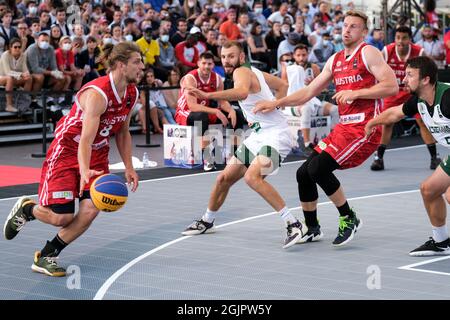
(359, 14)
(121, 53)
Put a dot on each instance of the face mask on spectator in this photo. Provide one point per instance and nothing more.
(337, 37)
(165, 38)
(43, 45)
(32, 10)
(326, 42)
(285, 30)
(66, 46)
(258, 11)
(128, 37)
(107, 40)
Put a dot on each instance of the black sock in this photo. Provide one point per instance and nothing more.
(53, 248)
(28, 210)
(432, 150)
(380, 151)
(311, 218)
(344, 210)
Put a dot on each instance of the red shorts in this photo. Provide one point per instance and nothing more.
(182, 119)
(349, 146)
(60, 177)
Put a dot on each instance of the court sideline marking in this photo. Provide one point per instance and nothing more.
(108, 283)
(412, 267)
(215, 172)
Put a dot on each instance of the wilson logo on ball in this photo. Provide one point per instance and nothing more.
(109, 192)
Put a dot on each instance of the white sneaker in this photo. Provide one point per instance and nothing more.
(295, 232)
(208, 166)
(199, 227)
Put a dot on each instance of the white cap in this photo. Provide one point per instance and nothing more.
(194, 30)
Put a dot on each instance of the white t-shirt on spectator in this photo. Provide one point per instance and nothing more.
(189, 54)
(433, 48)
(277, 17)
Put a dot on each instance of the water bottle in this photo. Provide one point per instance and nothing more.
(145, 160)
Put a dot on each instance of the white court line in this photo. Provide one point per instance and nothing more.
(104, 288)
(412, 267)
(215, 172)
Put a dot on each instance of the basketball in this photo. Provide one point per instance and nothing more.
(109, 192)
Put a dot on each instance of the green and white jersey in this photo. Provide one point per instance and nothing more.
(436, 122)
(258, 121)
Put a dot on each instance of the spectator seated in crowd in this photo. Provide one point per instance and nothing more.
(187, 54)
(171, 95)
(41, 61)
(14, 72)
(65, 61)
(171, 38)
(157, 97)
(87, 60)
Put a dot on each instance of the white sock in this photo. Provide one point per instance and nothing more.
(307, 143)
(287, 216)
(209, 216)
(440, 233)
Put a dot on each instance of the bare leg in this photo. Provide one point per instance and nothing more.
(432, 190)
(254, 177)
(38, 81)
(386, 134)
(425, 133)
(46, 215)
(233, 172)
(86, 214)
(306, 134)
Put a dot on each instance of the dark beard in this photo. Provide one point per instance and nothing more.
(234, 68)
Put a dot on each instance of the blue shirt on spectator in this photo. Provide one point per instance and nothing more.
(156, 4)
(377, 44)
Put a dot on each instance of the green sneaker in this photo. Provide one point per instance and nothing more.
(16, 218)
(347, 229)
(47, 265)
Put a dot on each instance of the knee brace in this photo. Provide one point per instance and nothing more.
(307, 188)
(320, 169)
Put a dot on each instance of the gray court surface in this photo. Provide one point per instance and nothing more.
(139, 253)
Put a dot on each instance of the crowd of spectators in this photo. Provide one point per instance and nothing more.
(48, 44)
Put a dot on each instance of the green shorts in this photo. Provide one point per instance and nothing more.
(244, 155)
(445, 165)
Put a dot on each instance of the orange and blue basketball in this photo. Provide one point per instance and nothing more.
(109, 192)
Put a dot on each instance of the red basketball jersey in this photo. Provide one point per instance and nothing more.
(399, 66)
(68, 130)
(351, 73)
(211, 85)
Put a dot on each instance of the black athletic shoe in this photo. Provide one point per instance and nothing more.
(434, 163)
(377, 165)
(347, 229)
(199, 227)
(294, 233)
(432, 248)
(313, 234)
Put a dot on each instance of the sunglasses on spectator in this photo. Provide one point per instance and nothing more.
(17, 47)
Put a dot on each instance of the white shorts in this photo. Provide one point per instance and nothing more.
(280, 139)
